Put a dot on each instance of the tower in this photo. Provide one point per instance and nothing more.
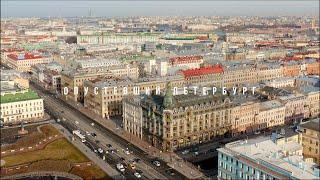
(168, 98)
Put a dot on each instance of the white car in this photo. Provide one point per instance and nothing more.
(156, 163)
(185, 152)
(127, 152)
(100, 150)
(136, 174)
(257, 132)
(120, 167)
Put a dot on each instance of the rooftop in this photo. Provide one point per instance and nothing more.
(312, 124)
(19, 96)
(263, 153)
(270, 105)
(203, 71)
(184, 59)
(24, 56)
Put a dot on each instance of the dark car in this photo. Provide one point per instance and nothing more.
(122, 159)
(137, 160)
(109, 145)
(94, 134)
(170, 172)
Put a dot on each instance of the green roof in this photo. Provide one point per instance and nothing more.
(180, 38)
(136, 57)
(29, 95)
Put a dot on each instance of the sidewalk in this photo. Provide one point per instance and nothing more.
(172, 159)
(114, 174)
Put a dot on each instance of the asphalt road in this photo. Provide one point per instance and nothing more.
(59, 108)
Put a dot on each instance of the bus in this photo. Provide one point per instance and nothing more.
(81, 136)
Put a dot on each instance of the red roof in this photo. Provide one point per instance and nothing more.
(12, 50)
(306, 53)
(202, 38)
(203, 71)
(24, 56)
(185, 59)
(291, 59)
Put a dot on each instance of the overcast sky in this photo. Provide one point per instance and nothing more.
(46, 8)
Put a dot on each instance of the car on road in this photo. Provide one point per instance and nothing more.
(257, 132)
(137, 175)
(109, 145)
(94, 134)
(137, 160)
(170, 172)
(185, 152)
(126, 151)
(122, 159)
(132, 161)
(120, 167)
(100, 150)
(132, 166)
(156, 163)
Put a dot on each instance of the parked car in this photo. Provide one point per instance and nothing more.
(156, 163)
(170, 172)
(120, 167)
(109, 145)
(132, 166)
(100, 150)
(137, 175)
(185, 152)
(137, 160)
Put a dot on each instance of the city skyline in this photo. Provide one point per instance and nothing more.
(160, 89)
(156, 8)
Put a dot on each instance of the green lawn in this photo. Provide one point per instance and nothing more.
(92, 172)
(29, 95)
(60, 149)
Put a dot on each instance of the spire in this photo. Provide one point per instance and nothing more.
(167, 101)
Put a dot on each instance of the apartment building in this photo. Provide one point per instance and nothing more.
(262, 158)
(116, 38)
(133, 116)
(106, 101)
(75, 77)
(20, 105)
(269, 71)
(291, 69)
(271, 113)
(295, 107)
(239, 75)
(309, 136)
(312, 106)
(204, 76)
(281, 82)
(191, 62)
(245, 115)
(24, 61)
(173, 122)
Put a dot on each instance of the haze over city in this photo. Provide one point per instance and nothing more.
(158, 8)
(168, 90)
